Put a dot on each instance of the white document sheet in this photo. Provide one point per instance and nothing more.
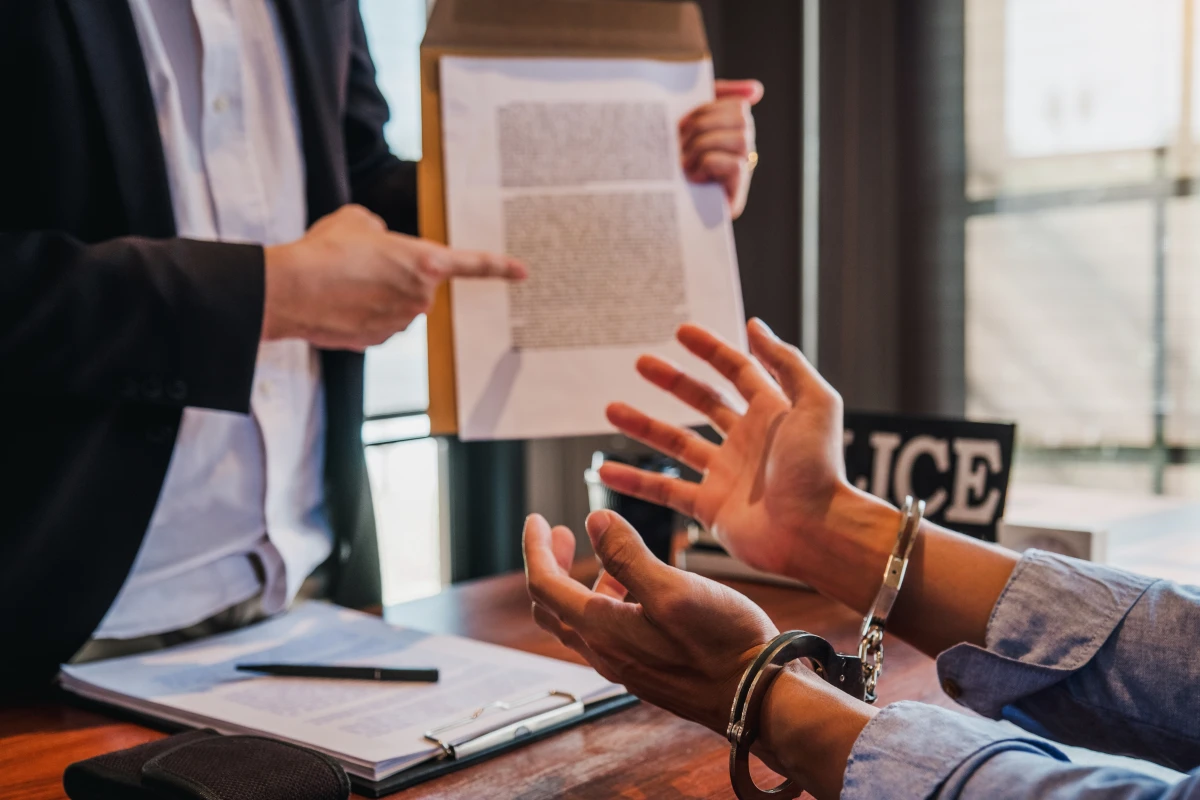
(373, 729)
(573, 165)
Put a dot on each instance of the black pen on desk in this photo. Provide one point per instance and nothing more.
(417, 675)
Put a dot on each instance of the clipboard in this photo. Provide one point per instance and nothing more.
(459, 755)
(488, 745)
(523, 28)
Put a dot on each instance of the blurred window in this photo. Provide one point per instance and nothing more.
(1083, 240)
(404, 464)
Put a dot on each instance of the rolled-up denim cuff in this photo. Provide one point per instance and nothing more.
(1050, 621)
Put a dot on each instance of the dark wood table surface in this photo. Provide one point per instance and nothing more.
(641, 752)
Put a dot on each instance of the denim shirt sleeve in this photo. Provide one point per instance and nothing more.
(1075, 651)
(1089, 655)
(913, 751)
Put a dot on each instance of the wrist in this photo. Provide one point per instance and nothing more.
(846, 552)
(279, 291)
(808, 728)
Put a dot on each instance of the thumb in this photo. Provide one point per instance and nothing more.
(749, 90)
(626, 558)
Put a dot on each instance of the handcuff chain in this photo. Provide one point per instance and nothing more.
(870, 648)
(870, 653)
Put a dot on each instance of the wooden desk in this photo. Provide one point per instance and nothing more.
(641, 752)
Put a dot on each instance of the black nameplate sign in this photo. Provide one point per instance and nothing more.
(959, 468)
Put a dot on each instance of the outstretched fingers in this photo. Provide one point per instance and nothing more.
(562, 605)
(746, 374)
(679, 443)
(673, 493)
(786, 363)
(699, 395)
(550, 584)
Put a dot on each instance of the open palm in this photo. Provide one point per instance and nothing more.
(771, 480)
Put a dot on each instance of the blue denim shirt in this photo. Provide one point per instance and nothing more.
(1076, 652)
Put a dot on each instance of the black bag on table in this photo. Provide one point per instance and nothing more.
(203, 765)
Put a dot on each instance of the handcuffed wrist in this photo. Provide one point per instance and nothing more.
(843, 672)
(808, 729)
(842, 553)
(778, 725)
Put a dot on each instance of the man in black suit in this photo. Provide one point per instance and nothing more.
(111, 324)
(135, 325)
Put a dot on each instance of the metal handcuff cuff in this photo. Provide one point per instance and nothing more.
(856, 675)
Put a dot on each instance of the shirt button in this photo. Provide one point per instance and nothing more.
(219, 103)
(177, 390)
(951, 688)
(152, 389)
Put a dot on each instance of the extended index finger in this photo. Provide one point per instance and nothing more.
(452, 263)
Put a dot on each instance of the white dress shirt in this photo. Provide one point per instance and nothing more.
(241, 510)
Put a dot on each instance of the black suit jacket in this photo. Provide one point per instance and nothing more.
(109, 325)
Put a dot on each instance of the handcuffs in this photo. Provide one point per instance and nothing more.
(856, 675)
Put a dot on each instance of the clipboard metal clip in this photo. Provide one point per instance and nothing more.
(573, 707)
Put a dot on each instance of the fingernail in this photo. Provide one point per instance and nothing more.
(597, 523)
(765, 327)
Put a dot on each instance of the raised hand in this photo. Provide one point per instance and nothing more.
(682, 644)
(767, 488)
(717, 139)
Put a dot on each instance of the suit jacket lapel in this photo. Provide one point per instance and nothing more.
(312, 61)
(114, 57)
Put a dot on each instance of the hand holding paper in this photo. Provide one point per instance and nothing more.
(718, 141)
